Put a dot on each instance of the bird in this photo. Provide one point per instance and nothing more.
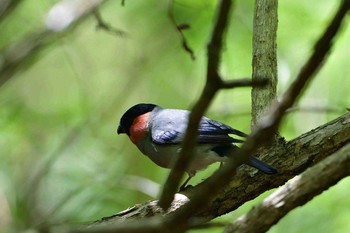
(158, 133)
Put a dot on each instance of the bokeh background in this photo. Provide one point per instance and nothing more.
(61, 160)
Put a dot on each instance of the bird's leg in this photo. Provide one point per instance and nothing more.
(183, 186)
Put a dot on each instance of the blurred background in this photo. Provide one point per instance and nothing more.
(61, 160)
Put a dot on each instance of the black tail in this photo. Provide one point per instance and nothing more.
(260, 165)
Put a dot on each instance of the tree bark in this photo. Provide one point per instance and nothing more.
(215, 197)
(291, 158)
(297, 192)
(264, 61)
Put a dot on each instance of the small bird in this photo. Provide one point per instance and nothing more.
(158, 134)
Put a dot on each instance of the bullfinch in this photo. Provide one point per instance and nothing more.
(158, 134)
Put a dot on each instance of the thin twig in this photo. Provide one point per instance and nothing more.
(246, 82)
(316, 109)
(180, 29)
(101, 24)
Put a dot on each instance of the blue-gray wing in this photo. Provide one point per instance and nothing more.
(169, 126)
(166, 136)
(172, 125)
(211, 131)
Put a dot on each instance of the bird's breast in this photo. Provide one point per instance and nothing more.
(139, 128)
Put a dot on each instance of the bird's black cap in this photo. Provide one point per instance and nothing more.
(130, 115)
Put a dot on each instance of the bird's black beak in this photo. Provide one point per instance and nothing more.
(120, 130)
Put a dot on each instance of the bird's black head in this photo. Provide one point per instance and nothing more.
(130, 115)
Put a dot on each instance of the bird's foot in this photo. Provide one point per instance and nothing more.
(184, 188)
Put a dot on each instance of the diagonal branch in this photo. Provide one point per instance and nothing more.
(270, 123)
(61, 18)
(321, 49)
(293, 158)
(7, 7)
(211, 87)
(294, 194)
(266, 128)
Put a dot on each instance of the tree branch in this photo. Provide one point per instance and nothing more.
(264, 61)
(265, 130)
(7, 7)
(213, 197)
(322, 47)
(101, 24)
(180, 28)
(61, 18)
(212, 85)
(321, 50)
(294, 194)
(202, 195)
(243, 83)
(292, 158)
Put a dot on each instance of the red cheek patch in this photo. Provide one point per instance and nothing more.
(139, 128)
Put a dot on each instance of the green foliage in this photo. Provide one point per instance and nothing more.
(61, 159)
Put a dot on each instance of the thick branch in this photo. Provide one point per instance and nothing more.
(292, 158)
(294, 194)
(264, 62)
